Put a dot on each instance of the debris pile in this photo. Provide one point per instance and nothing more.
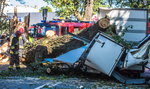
(4, 54)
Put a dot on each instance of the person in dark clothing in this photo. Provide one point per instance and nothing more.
(3, 39)
(14, 51)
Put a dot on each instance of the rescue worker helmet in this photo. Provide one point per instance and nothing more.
(18, 33)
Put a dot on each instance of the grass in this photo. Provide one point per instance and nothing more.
(22, 72)
(39, 73)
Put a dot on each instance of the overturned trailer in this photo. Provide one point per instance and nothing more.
(113, 59)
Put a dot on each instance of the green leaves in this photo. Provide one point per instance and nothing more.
(130, 3)
(111, 31)
(46, 7)
(73, 7)
(4, 25)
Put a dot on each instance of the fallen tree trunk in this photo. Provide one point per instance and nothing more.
(59, 45)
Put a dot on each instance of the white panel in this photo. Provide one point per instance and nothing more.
(138, 14)
(103, 13)
(133, 36)
(124, 18)
(106, 57)
(119, 13)
(91, 65)
(136, 25)
(71, 56)
(128, 14)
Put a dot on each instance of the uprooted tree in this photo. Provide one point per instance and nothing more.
(57, 45)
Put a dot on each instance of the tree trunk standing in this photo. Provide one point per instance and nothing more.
(2, 5)
(11, 27)
(15, 11)
(13, 22)
(77, 14)
(27, 22)
(3, 17)
(88, 10)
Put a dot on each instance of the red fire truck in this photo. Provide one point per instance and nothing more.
(60, 27)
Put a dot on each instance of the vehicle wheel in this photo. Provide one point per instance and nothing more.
(48, 70)
(63, 68)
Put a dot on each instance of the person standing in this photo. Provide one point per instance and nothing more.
(22, 40)
(14, 51)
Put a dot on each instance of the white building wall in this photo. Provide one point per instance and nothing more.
(20, 9)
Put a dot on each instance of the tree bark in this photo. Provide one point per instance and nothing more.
(27, 23)
(88, 10)
(15, 11)
(2, 5)
(77, 14)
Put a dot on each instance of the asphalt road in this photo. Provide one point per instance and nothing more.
(63, 83)
(36, 83)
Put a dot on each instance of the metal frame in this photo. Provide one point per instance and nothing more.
(126, 80)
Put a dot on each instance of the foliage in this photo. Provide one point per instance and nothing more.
(23, 73)
(2, 5)
(4, 25)
(21, 1)
(52, 45)
(46, 7)
(97, 4)
(117, 36)
(131, 3)
(74, 7)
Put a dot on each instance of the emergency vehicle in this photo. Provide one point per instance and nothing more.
(60, 27)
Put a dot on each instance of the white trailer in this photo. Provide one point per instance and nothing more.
(137, 18)
(106, 56)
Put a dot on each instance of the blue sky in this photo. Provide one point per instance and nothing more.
(38, 3)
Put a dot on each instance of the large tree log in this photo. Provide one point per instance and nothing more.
(59, 45)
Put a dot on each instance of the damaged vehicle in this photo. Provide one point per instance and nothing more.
(104, 55)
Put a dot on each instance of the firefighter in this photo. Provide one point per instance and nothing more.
(14, 51)
(30, 37)
(22, 41)
(17, 45)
